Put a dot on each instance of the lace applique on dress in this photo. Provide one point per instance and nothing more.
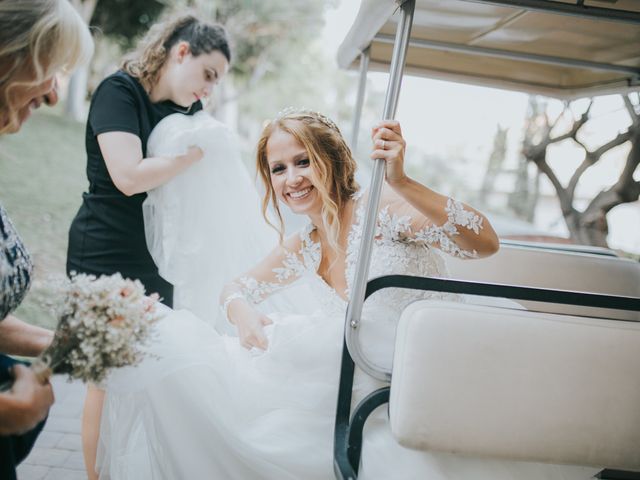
(445, 235)
(294, 265)
(391, 227)
(394, 252)
(255, 291)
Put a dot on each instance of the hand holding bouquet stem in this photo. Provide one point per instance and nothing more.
(102, 323)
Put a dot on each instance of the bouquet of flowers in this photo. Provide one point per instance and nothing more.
(102, 323)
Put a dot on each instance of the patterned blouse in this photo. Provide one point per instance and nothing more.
(15, 267)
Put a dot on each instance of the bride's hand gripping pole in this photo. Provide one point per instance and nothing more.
(354, 309)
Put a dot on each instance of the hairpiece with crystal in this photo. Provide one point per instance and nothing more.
(304, 112)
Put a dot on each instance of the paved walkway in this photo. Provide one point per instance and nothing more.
(57, 454)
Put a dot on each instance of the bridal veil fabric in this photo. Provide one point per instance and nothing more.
(204, 226)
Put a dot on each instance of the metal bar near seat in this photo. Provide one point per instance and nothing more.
(348, 435)
(362, 86)
(609, 474)
(354, 309)
(360, 416)
(515, 292)
(341, 462)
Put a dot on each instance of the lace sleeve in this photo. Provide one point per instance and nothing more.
(283, 266)
(401, 222)
(444, 236)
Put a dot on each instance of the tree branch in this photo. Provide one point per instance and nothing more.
(575, 178)
(625, 190)
(633, 160)
(551, 126)
(591, 158)
(619, 140)
(635, 118)
(543, 166)
(575, 127)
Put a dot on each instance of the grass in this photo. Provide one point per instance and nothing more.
(42, 177)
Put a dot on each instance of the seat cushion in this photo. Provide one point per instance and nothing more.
(485, 381)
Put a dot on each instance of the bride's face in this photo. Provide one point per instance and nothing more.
(292, 174)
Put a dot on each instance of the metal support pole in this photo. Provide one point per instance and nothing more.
(510, 55)
(362, 86)
(354, 310)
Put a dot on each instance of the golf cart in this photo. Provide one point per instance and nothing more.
(559, 380)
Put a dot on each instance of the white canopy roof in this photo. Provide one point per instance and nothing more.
(495, 43)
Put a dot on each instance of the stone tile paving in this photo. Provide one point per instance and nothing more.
(57, 454)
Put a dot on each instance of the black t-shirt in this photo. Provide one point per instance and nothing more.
(107, 234)
(120, 104)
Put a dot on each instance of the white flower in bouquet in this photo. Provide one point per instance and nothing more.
(102, 324)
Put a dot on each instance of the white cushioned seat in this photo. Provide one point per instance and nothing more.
(520, 385)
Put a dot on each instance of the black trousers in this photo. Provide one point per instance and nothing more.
(14, 448)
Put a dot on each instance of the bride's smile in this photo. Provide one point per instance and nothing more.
(300, 194)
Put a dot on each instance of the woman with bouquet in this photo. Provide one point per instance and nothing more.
(38, 38)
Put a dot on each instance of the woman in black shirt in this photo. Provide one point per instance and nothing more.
(176, 65)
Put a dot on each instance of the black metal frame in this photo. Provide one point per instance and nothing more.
(608, 474)
(348, 431)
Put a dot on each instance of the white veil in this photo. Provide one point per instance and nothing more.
(205, 226)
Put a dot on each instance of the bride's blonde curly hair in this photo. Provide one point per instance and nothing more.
(146, 62)
(330, 158)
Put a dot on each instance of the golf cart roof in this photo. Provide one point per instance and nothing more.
(559, 48)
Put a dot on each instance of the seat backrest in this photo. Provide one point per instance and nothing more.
(556, 269)
(516, 384)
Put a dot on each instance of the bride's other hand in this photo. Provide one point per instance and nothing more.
(389, 145)
(251, 330)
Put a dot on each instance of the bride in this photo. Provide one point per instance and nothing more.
(261, 405)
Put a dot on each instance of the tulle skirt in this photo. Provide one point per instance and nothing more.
(200, 406)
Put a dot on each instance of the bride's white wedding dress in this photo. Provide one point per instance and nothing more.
(203, 407)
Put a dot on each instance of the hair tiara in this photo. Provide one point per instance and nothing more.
(304, 112)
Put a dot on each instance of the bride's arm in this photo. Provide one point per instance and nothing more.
(277, 270)
(435, 219)
(122, 154)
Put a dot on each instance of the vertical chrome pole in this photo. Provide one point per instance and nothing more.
(362, 86)
(354, 310)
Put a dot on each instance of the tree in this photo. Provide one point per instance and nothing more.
(121, 20)
(77, 90)
(495, 166)
(272, 46)
(589, 226)
(125, 20)
(524, 197)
